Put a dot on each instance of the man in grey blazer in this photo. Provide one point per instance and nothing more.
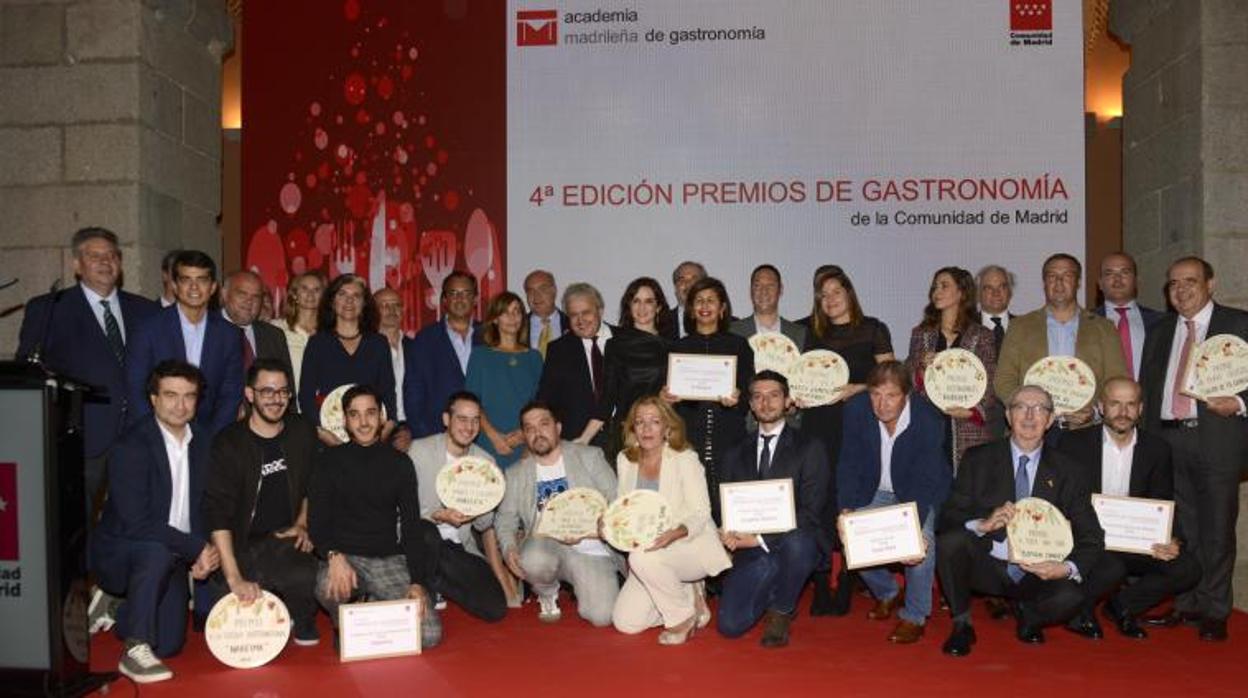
(588, 564)
(766, 288)
(463, 575)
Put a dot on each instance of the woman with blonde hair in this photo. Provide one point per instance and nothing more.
(298, 321)
(664, 585)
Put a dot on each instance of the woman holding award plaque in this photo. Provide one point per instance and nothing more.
(636, 355)
(663, 585)
(713, 425)
(949, 321)
(504, 374)
(837, 323)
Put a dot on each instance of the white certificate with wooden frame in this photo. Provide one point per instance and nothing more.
(758, 506)
(378, 629)
(1134, 524)
(701, 376)
(881, 535)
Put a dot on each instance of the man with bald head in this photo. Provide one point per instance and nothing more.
(241, 297)
(1132, 320)
(546, 321)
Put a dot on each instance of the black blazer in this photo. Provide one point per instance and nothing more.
(986, 481)
(796, 456)
(77, 347)
(566, 386)
(270, 343)
(1223, 440)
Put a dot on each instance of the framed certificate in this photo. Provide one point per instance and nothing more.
(701, 376)
(882, 535)
(758, 506)
(378, 629)
(1134, 524)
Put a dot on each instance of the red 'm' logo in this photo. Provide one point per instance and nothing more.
(1031, 15)
(537, 27)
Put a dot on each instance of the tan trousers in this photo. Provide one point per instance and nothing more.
(659, 589)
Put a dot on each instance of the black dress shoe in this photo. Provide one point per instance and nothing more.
(1171, 619)
(1085, 624)
(1125, 622)
(1029, 634)
(960, 640)
(1213, 630)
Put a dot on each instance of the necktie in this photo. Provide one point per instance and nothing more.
(543, 339)
(113, 332)
(595, 368)
(1022, 490)
(764, 458)
(1124, 338)
(998, 330)
(1180, 403)
(249, 356)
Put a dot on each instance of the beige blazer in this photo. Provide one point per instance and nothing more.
(682, 482)
(1027, 341)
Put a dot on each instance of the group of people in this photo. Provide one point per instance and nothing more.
(209, 458)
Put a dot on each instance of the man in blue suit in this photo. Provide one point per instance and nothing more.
(1133, 321)
(896, 450)
(436, 359)
(81, 332)
(151, 532)
(186, 331)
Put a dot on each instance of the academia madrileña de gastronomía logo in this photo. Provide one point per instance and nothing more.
(550, 27)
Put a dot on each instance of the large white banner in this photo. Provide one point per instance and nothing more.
(891, 137)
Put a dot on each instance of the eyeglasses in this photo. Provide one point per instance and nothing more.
(1031, 409)
(270, 393)
(461, 293)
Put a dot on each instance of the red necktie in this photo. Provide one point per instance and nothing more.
(249, 356)
(595, 367)
(1180, 403)
(1124, 337)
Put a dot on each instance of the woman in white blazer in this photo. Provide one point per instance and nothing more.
(664, 585)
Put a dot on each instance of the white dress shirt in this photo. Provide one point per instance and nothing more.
(462, 344)
(114, 304)
(758, 444)
(193, 337)
(1201, 321)
(396, 361)
(1116, 465)
(180, 477)
(760, 328)
(887, 441)
(985, 319)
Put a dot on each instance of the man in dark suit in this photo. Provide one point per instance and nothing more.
(896, 449)
(971, 550)
(996, 290)
(81, 332)
(1133, 321)
(546, 322)
(573, 378)
(241, 297)
(1121, 461)
(1209, 438)
(684, 276)
(151, 532)
(766, 288)
(436, 360)
(769, 571)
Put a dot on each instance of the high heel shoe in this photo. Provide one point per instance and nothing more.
(679, 634)
(701, 610)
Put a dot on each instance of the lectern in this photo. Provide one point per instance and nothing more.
(44, 643)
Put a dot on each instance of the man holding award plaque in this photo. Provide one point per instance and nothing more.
(771, 562)
(972, 553)
(551, 467)
(1208, 437)
(894, 451)
(1132, 484)
(1060, 328)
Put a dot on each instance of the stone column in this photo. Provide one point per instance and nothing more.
(1185, 153)
(110, 114)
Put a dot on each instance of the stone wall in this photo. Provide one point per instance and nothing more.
(110, 116)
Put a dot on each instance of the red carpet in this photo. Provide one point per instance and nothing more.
(523, 657)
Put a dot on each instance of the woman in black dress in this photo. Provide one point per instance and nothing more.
(636, 355)
(713, 426)
(837, 323)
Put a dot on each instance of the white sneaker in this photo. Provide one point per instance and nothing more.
(549, 612)
(141, 664)
(439, 602)
(100, 612)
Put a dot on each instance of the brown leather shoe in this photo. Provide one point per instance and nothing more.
(776, 629)
(883, 610)
(905, 633)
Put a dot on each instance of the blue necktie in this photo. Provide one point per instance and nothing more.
(1022, 490)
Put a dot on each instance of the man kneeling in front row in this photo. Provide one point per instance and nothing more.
(359, 491)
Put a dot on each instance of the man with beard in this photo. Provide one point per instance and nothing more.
(358, 491)
(1121, 461)
(256, 503)
(553, 466)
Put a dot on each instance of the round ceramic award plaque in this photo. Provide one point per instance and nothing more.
(1068, 380)
(1038, 532)
(471, 485)
(633, 521)
(774, 352)
(1219, 367)
(245, 637)
(572, 514)
(955, 378)
(817, 377)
